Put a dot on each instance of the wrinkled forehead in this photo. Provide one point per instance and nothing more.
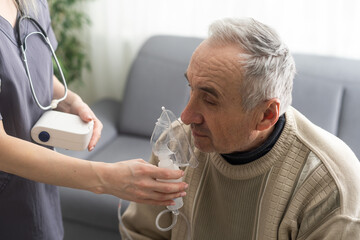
(211, 60)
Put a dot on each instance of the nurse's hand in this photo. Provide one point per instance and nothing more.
(75, 105)
(81, 109)
(135, 180)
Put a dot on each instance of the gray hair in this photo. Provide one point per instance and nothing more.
(27, 6)
(268, 68)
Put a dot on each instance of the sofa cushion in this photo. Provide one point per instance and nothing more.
(327, 91)
(88, 208)
(156, 79)
(106, 110)
(318, 100)
(332, 69)
(349, 127)
(124, 147)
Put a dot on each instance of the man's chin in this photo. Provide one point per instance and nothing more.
(204, 147)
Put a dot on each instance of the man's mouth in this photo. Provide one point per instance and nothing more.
(197, 133)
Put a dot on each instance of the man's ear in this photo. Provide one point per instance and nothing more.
(269, 114)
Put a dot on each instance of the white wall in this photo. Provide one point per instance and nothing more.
(325, 27)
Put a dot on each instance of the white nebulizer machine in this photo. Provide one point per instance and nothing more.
(171, 145)
(62, 130)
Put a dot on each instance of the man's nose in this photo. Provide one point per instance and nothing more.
(190, 114)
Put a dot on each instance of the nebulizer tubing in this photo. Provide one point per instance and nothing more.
(172, 153)
(175, 215)
(174, 221)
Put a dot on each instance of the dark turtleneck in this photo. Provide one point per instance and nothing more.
(238, 158)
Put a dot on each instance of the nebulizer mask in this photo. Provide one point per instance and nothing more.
(171, 145)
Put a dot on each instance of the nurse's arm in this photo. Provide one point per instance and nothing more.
(134, 180)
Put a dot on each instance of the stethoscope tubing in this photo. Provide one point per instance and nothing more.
(22, 45)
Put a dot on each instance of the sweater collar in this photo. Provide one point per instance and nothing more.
(238, 158)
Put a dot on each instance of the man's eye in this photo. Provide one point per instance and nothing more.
(209, 101)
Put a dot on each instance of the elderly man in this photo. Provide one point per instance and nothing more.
(265, 171)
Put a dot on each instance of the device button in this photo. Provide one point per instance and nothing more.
(44, 136)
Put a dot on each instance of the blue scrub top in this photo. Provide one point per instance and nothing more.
(28, 209)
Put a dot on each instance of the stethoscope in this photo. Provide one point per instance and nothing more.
(22, 44)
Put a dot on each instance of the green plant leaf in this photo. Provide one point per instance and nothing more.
(68, 20)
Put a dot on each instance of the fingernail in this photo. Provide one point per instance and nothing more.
(91, 148)
(186, 186)
(183, 194)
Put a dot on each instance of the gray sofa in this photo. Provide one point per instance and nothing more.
(326, 90)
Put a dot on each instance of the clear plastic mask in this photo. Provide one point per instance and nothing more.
(170, 139)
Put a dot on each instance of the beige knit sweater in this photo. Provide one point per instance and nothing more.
(306, 187)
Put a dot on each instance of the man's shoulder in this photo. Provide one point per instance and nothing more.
(321, 142)
(336, 162)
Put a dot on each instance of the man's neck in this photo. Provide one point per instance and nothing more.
(264, 147)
